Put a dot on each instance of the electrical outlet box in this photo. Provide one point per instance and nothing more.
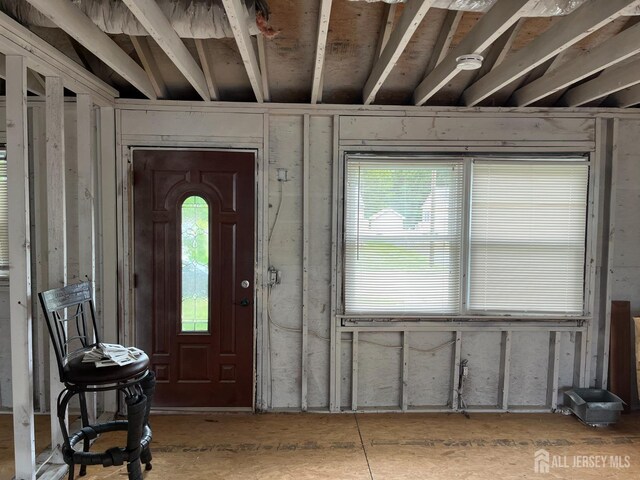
(275, 276)
(282, 175)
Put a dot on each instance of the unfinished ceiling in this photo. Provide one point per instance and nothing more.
(534, 52)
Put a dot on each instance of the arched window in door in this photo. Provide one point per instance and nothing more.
(195, 265)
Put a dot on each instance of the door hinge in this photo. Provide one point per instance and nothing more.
(135, 280)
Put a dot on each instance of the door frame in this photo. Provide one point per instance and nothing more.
(126, 302)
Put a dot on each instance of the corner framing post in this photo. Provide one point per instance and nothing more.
(20, 262)
(554, 370)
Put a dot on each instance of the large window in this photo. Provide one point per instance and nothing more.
(4, 216)
(460, 236)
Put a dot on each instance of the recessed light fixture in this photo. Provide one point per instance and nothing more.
(471, 61)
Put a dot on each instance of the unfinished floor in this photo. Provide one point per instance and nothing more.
(374, 446)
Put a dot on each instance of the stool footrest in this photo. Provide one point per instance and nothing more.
(113, 456)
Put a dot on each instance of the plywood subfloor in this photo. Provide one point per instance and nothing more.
(43, 440)
(382, 446)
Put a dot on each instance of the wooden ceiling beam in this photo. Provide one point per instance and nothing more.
(236, 14)
(625, 98)
(44, 59)
(489, 28)
(567, 31)
(143, 49)
(73, 21)
(614, 50)
(388, 21)
(608, 82)
(413, 13)
(206, 62)
(321, 46)
(156, 23)
(445, 37)
(262, 60)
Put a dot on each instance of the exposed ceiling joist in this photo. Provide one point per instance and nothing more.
(388, 20)
(567, 31)
(156, 23)
(235, 13)
(73, 21)
(143, 49)
(608, 53)
(262, 59)
(608, 82)
(413, 13)
(46, 60)
(33, 84)
(204, 53)
(489, 28)
(625, 98)
(443, 43)
(321, 44)
(497, 52)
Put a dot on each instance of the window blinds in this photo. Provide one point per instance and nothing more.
(4, 216)
(527, 245)
(402, 238)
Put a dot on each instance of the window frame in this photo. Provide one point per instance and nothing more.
(468, 158)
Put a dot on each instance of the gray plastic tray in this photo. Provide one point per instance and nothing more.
(594, 406)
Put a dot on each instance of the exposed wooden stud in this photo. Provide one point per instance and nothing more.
(443, 43)
(388, 20)
(20, 261)
(455, 370)
(411, 17)
(206, 62)
(608, 53)
(56, 229)
(609, 81)
(143, 49)
(306, 223)
(553, 375)
(355, 355)
(262, 58)
(335, 348)
(156, 23)
(235, 13)
(567, 31)
(505, 371)
(108, 235)
(321, 44)
(489, 28)
(33, 85)
(73, 21)
(86, 204)
(404, 401)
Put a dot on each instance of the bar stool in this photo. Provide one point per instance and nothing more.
(72, 307)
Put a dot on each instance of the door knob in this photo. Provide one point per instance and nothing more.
(245, 302)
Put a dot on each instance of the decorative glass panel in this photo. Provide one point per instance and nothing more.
(195, 265)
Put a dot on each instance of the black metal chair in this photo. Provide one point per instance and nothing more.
(72, 307)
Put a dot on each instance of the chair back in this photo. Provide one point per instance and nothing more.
(70, 306)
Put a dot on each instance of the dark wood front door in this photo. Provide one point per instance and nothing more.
(194, 274)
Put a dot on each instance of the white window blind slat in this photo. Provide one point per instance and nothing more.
(403, 236)
(4, 216)
(527, 246)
